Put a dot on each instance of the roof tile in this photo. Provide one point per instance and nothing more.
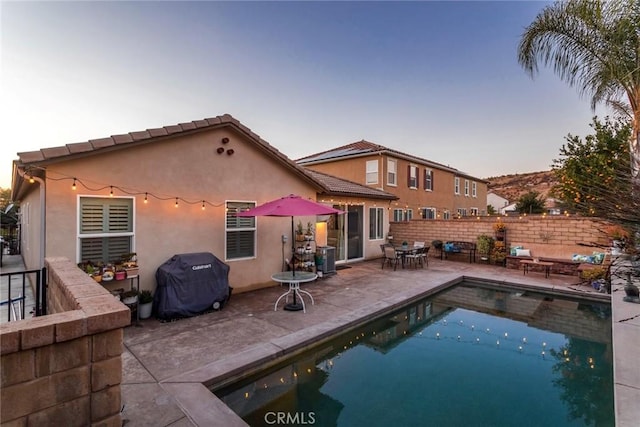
(81, 147)
(31, 156)
(53, 152)
(121, 139)
(201, 123)
(173, 129)
(158, 132)
(213, 120)
(187, 126)
(102, 142)
(137, 136)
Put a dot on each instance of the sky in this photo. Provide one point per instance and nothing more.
(438, 80)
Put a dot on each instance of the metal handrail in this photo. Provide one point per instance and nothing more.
(41, 293)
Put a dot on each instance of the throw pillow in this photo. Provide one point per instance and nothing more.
(523, 252)
(513, 250)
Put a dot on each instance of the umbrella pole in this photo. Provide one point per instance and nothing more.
(293, 249)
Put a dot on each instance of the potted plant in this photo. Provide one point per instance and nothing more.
(129, 297)
(130, 264)
(499, 228)
(299, 231)
(484, 246)
(595, 276)
(145, 300)
(309, 232)
(405, 244)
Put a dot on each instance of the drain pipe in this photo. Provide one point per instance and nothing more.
(43, 216)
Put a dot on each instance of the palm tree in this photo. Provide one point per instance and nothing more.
(595, 46)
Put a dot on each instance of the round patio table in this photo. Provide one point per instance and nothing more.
(294, 288)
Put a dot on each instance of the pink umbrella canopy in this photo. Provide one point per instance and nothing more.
(291, 205)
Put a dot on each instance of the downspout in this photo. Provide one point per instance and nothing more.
(43, 215)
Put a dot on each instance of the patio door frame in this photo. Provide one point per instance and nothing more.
(352, 226)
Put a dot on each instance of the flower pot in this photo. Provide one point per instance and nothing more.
(145, 310)
(130, 300)
(131, 272)
(120, 275)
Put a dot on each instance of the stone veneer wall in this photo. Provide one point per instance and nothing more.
(65, 368)
(551, 230)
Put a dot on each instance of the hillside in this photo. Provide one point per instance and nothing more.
(511, 187)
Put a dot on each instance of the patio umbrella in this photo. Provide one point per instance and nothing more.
(291, 205)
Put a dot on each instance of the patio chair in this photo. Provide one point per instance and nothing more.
(390, 256)
(418, 244)
(416, 257)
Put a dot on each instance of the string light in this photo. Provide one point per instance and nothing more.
(31, 180)
(176, 205)
(111, 192)
(203, 207)
(146, 200)
(73, 187)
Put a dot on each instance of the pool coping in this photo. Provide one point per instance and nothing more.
(192, 389)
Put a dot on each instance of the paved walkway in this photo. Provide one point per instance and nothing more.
(165, 364)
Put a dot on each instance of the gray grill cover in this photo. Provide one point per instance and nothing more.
(189, 284)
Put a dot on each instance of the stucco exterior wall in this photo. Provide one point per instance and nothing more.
(190, 168)
(31, 231)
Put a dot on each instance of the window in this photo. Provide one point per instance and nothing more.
(375, 223)
(392, 172)
(408, 215)
(473, 211)
(105, 229)
(412, 177)
(466, 187)
(428, 213)
(456, 185)
(462, 212)
(240, 231)
(398, 215)
(474, 189)
(446, 215)
(428, 180)
(372, 172)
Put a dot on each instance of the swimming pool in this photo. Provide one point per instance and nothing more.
(473, 355)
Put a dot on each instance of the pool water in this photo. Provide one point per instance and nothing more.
(469, 356)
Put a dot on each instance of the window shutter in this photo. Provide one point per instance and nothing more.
(433, 177)
(417, 177)
(409, 176)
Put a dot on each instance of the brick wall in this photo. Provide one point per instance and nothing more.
(551, 230)
(65, 368)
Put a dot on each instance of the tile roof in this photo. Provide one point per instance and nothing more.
(45, 156)
(362, 148)
(342, 187)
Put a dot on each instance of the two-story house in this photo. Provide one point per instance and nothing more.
(425, 189)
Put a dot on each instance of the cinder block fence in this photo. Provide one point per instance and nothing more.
(65, 369)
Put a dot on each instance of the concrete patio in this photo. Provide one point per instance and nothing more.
(166, 364)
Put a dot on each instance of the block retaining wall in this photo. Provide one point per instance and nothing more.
(550, 230)
(65, 368)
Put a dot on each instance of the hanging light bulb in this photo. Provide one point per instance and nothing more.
(176, 205)
(73, 187)
(146, 200)
(111, 192)
(203, 205)
(31, 180)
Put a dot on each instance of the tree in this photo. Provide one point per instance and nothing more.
(530, 203)
(594, 46)
(491, 210)
(593, 172)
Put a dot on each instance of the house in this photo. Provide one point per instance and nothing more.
(497, 201)
(173, 190)
(425, 189)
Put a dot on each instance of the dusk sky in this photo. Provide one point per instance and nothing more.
(439, 80)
